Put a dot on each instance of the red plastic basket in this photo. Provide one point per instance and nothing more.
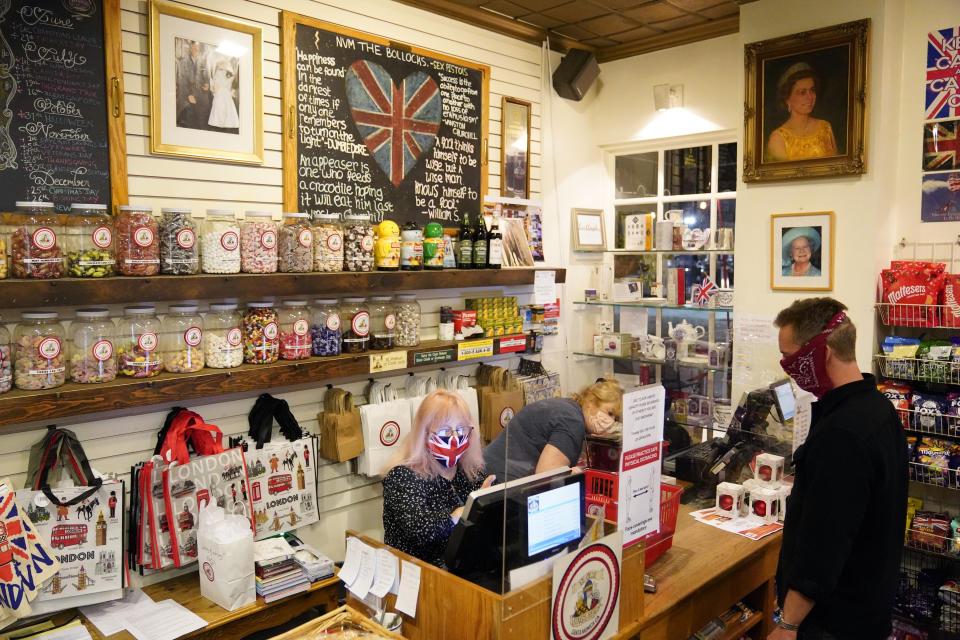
(602, 489)
(658, 542)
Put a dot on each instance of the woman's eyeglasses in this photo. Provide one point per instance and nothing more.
(462, 431)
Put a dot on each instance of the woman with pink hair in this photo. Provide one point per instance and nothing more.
(437, 466)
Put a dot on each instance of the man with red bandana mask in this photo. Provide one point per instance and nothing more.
(840, 559)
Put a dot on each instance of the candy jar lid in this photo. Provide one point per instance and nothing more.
(294, 303)
(79, 207)
(263, 304)
(325, 301)
(183, 308)
(257, 214)
(39, 315)
(223, 306)
(33, 204)
(140, 310)
(89, 314)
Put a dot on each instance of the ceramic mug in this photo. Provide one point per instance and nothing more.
(724, 297)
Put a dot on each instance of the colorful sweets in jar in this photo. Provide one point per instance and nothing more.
(325, 328)
(356, 332)
(357, 243)
(179, 252)
(39, 361)
(220, 242)
(3, 257)
(181, 342)
(92, 357)
(408, 320)
(88, 242)
(383, 323)
(295, 244)
(138, 343)
(138, 248)
(294, 330)
(261, 333)
(327, 243)
(258, 243)
(35, 250)
(223, 337)
(6, 361)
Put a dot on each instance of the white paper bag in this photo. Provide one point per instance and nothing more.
(225, 555)
(385, 425)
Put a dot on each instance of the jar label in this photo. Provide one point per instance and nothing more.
(361, 323)
(301, 327)
(335, 242)
(186, 238)
(147, 341)
(44, 238)
(102, 237)
(270, 331)
(49, 348)
(95, 263)
(234, 336)
(367, 243)
(143, 236)
(268, 239)
(390, 321)
(305, 238)
(333, 322)
(103, 350)
(193, 336)
(230, 241)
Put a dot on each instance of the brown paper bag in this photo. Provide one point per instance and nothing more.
(341, 436)
(497, 408)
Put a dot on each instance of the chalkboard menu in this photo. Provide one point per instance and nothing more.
(379, 127)
(54, 145)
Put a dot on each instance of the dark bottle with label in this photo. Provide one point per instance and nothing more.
(494, 246)
(465, 244)
(480, 245)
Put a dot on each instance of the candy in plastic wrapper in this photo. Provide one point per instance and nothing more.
(899, 395)
(929, 412)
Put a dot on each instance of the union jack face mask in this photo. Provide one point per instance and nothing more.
(448, 449)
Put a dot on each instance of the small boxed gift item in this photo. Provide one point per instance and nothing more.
(619, 345)
(729, 498)
(769, 469)
(765, 504)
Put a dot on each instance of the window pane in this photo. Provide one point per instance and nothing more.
(636, 175)
(696, 213)
(695, 266)
(686, 171)
(727, 167)
(635, 226)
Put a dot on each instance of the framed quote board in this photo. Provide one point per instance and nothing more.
(62, 134)
(380, 127)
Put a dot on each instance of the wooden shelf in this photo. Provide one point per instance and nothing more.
(19, 406)
(737, 630)
(17, 293)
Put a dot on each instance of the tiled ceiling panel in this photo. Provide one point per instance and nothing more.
(608, 24)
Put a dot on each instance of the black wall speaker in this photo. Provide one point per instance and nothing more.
(575, 74)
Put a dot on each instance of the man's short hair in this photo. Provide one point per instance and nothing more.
(810, 316)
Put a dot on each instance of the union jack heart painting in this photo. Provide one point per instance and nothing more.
(397, 122)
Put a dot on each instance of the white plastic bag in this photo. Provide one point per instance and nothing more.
(225, 556)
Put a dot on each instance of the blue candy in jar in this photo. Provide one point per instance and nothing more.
(325, 331)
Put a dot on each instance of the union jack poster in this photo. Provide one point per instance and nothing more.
(943, 74)
(940, 145)
(398, 122)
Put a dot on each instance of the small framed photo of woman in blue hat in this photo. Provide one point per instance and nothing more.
(802, 251)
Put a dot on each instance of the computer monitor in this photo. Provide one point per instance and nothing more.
(511, 525)
(785, 401)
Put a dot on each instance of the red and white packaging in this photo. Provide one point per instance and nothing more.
(729, 499)
(765, 505)
(769, 470)
(912, 289)
(950, 313)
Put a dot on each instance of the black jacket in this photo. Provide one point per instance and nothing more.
(845, 519)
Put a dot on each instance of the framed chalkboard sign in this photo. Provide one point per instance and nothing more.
(62, 135)
(380, 127)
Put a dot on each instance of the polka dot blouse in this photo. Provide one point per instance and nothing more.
(416, 512)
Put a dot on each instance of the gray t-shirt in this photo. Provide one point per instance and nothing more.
(556, 421)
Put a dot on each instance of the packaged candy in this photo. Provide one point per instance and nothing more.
(912, 289)
(934, 358)
(899, 354)
(913, 505)
(950, 312)
(949, 591)
(899, 395)
(929, 530)
(954, 538)
(929, 412)
(933, 462)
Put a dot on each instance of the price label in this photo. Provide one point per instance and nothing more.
(389, 361)
(433, 357)
(475, 349)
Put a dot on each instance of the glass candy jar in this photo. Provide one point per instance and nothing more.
(295, 244)
(138, 342)
(325, 328)
(35, 250)
(88, 242)
(356, 331)
(294, 330)
(138, 249)
(220, 242)
(6, 360)
(223, 338)
(39, 361)
(179, 253)
(92, 356)
(408, 321)
(258, 243)
(261, 334)
(383, 323)
(181, 343)
(327, 243)
(357, 243)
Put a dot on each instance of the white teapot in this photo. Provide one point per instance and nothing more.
(686, 332)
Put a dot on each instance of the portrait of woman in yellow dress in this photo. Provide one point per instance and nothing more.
(802, 136)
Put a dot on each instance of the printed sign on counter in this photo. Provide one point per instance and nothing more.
(475, 349)
(389, 361)
(639, 495)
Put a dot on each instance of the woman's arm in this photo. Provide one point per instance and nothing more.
(776, 147)
(551, 458)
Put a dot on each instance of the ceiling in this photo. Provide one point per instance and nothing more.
(612, 29)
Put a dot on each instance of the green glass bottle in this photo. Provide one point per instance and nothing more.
(465, 244)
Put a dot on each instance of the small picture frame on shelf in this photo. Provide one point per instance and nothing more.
(588, 230)
(801, 251)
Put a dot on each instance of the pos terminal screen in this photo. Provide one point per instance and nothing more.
(553, 518)
(785, 398)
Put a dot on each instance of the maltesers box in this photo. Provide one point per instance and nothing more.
(729, 499)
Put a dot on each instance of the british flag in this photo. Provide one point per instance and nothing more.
(398, 123)
(704, 291)
(943, 74)
(940, 145)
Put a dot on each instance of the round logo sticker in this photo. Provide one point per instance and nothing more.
(270, 331)
(44, 238)
(268, 239)
(333, 322)
(147, 341)
(335, 242)
(361, 323)
(230, 241)
(143, 236)
(306, 237)
(367, 243)
(587, 594)
(208, 571)
(102, 237)
(49, 348)
(390, 321)
(389, 433)
(234, 336)
(41, 500)
(193, 336)
(301, 327)
(103, 350)
(506, 416)
(186, 238)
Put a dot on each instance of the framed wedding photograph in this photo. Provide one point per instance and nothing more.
(801, 251)
(515, 148)
(805, 104)
(588, 230)
(206, 95)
